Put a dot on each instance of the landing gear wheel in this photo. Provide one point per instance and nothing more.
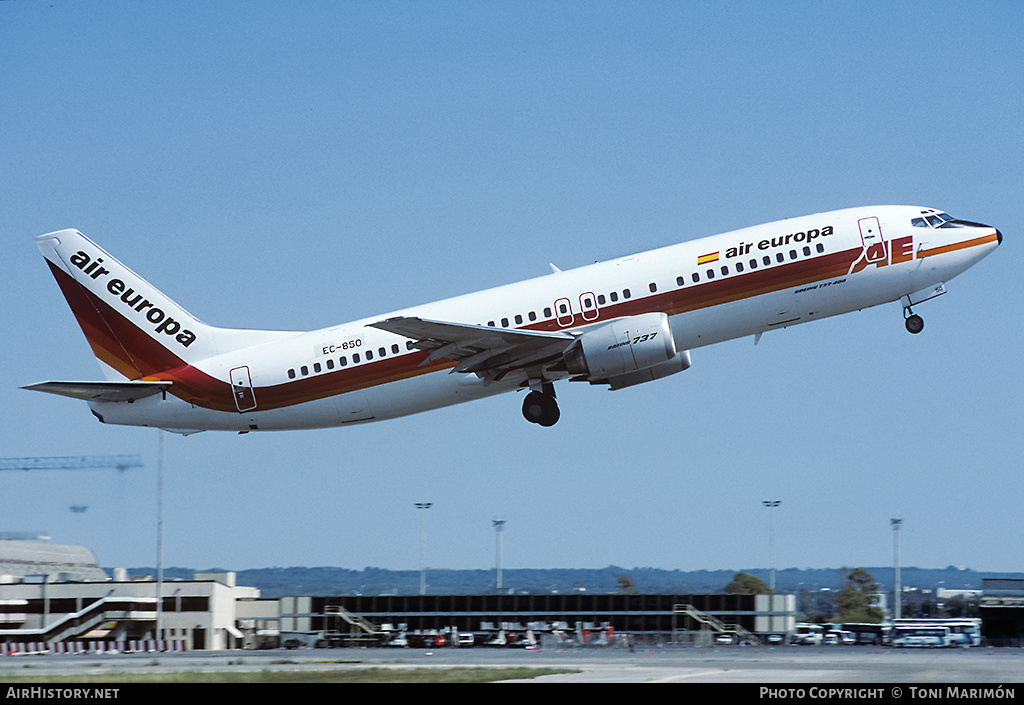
(540, 409)
(915, 324)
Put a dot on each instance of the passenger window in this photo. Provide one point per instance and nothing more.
(753, 264)
(504, 323)
(711, 274)
(316, 367)
(739, 266)
(615, 296)
(820, 248)
(725, 271)
(490, 324)
(792, 254)
(547, 312)
(533, 315)
(562, 308)
(767, 260)
(626, 294)
(780, 257)
(291, 374)
(600, 300)
(369, 354)
(343, 361)
(807, 251)
(653, 287)
(519, 319)
(330, 364)
(696, 277)
(355, 358)
(394, 348)
(304, 370)
(680, 281)
(381, 352)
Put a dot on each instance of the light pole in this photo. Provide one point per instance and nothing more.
(771, 504)
(897, 610)
(423, 546)
(160, 536)
(499, 524)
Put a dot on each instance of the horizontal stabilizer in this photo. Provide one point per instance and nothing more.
(101, 391)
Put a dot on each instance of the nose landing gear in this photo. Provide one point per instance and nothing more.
(914, 323)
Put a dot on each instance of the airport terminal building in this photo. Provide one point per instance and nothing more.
(56, 598)
(575, 616)
(1002, 611)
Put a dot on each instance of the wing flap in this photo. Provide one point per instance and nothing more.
(479, 349)
(101, 391)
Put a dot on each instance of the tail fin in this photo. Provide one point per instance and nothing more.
(134, 330)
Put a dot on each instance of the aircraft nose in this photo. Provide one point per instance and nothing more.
(999, 236)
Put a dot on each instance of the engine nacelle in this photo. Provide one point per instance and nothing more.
(622, 346)
(677, 364)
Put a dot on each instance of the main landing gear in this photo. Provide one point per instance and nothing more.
(541, 407)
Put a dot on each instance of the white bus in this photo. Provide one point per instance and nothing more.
(920, 635)
(963, 631)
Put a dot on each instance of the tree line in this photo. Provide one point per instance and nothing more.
(857, 600)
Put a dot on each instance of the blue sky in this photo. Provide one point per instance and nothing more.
(297, 165)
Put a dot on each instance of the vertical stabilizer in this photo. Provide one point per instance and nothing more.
(134, 329)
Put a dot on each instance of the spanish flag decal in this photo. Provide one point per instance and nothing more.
(710, 257)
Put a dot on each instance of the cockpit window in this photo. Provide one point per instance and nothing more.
(935, 220)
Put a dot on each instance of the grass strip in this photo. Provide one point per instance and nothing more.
(346, 675)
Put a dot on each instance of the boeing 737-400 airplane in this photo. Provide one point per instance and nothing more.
(618, 323)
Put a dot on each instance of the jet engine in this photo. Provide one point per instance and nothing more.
(622, 346)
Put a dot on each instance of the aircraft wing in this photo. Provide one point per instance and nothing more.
(489, 352)
(102, 391)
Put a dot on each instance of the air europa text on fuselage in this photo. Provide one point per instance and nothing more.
(802, 236)
(164, 324)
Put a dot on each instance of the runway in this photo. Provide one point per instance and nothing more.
(721, 664)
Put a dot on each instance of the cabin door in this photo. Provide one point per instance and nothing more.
(871, 236)
(241, 389)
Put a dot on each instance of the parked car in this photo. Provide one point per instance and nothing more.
(838, 636)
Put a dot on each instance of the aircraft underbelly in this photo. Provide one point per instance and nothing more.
(173, 413)
(432, 391)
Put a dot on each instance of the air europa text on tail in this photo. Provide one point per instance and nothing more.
(133, 300)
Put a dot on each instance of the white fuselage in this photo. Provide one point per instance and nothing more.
(727, 286)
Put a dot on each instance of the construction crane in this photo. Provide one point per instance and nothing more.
(8, 536)
(73, 462)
